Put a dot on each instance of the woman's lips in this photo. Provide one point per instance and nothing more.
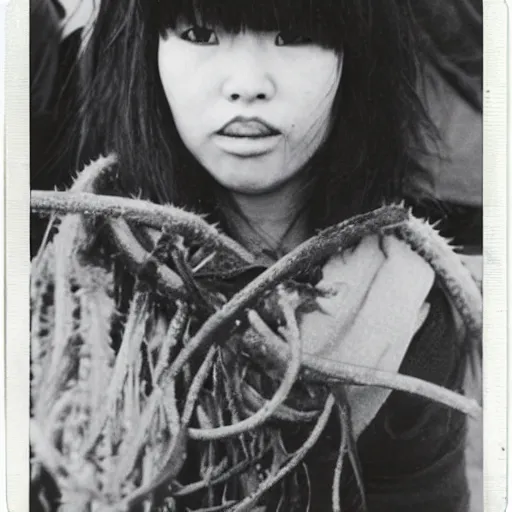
(247, 146)
(248, 127)
(247, 137)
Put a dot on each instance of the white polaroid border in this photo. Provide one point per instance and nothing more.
(17, 254)
(3, 479)
(495, 192)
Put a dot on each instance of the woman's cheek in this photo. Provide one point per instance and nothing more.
(328, 70)
(176, 66)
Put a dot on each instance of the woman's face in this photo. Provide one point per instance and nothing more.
(251, 107)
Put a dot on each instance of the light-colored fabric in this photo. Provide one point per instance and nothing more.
(376, 302)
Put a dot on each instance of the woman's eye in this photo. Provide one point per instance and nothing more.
(200, 35)
(287, 38)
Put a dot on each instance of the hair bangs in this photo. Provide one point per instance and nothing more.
(320, 20)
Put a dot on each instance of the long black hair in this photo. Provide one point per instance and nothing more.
(379, 121)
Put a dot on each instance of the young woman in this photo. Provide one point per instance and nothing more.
(276, 119)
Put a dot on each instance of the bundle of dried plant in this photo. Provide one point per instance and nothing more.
(144, 372)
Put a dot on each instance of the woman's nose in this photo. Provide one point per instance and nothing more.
(249, 80)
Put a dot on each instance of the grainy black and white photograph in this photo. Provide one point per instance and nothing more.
(256, 255)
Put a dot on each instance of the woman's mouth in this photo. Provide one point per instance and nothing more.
(252, 127)
(248, 137)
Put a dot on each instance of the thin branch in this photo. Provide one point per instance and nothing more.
(248, 503)
(235, 470)
(253, 400)
(360, 375)
(218, 508)
(195, 388)
(174, 331)
(138, 211)
(128, 454)
(457, 279)
(345, 415)
(336, 485)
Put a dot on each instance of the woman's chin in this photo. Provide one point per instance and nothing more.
(251, 188)
(252, 179)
